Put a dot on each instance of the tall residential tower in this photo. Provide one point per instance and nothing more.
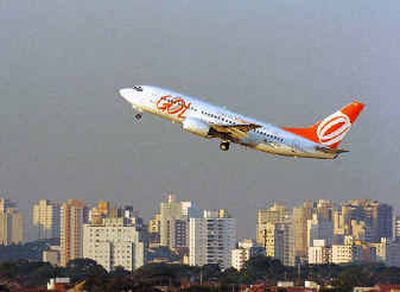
(212, 239)
(46, 218)
(11, 223)
(73, 215)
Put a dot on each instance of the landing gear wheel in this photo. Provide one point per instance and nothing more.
(224, 146)
(138, 116)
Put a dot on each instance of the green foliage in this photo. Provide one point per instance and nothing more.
(88, 270)
(265, 268)
(367, 275)
(258, 269)
(29, 273)
(164, 274)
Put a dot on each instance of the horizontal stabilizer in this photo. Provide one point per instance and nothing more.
(331, 150)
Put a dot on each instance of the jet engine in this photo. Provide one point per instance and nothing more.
(197, 127)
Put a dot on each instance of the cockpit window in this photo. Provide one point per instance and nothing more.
(138, 88)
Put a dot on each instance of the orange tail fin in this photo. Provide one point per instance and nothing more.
(331, 130)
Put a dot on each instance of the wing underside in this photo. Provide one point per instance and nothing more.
(235, 131)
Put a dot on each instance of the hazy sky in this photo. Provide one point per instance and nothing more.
(64, 132)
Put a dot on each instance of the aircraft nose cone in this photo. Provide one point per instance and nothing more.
(125, 93)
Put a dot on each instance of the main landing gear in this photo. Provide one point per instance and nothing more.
(224, 146)
(138, 116)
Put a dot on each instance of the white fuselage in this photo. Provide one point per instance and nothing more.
(178, 108)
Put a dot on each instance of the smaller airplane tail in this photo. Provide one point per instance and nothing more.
(331, 130)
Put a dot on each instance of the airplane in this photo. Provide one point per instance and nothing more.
(203, 119)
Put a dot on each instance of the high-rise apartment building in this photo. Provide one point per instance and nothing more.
(211, 239)
(6, 204)
(319, 227)
(273, 213)
(300, 216)
(114, 242)
(46, 218)
(275, 233)
(382, 220)
(174, 222)
(278, 242)
(11, 223)
(73, 216)
(154, 231)
(377, 218)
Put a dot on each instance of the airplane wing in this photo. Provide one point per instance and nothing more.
(235, 131)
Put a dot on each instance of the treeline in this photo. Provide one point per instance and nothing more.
(31, 251)
(94, 277)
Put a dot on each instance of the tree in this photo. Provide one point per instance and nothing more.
(85, 269)
(356, 276)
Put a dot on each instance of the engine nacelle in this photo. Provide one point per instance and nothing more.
(196, 126)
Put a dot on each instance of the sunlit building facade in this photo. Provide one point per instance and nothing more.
(212, 239)
(46, 219)
(245, 250)
(273, 213)
(174, 222)
(115, 242)
(73, 216)
(11, 223)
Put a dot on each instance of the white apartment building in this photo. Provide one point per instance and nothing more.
(174, 222)
(115, 242)
(342, 254)
(319, 253)
(246, 249)
(211, 239)
(11, 223)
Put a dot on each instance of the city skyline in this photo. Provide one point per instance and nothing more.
(284, 209)
(317, 232)
(31, 231)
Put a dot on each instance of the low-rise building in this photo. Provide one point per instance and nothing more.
(246, 249)
(353, 251)
(58, 284)
(52, 255)
(319, 253)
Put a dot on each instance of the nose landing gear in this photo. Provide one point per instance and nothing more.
(224, 146)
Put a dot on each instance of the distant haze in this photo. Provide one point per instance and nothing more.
(64, 132)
